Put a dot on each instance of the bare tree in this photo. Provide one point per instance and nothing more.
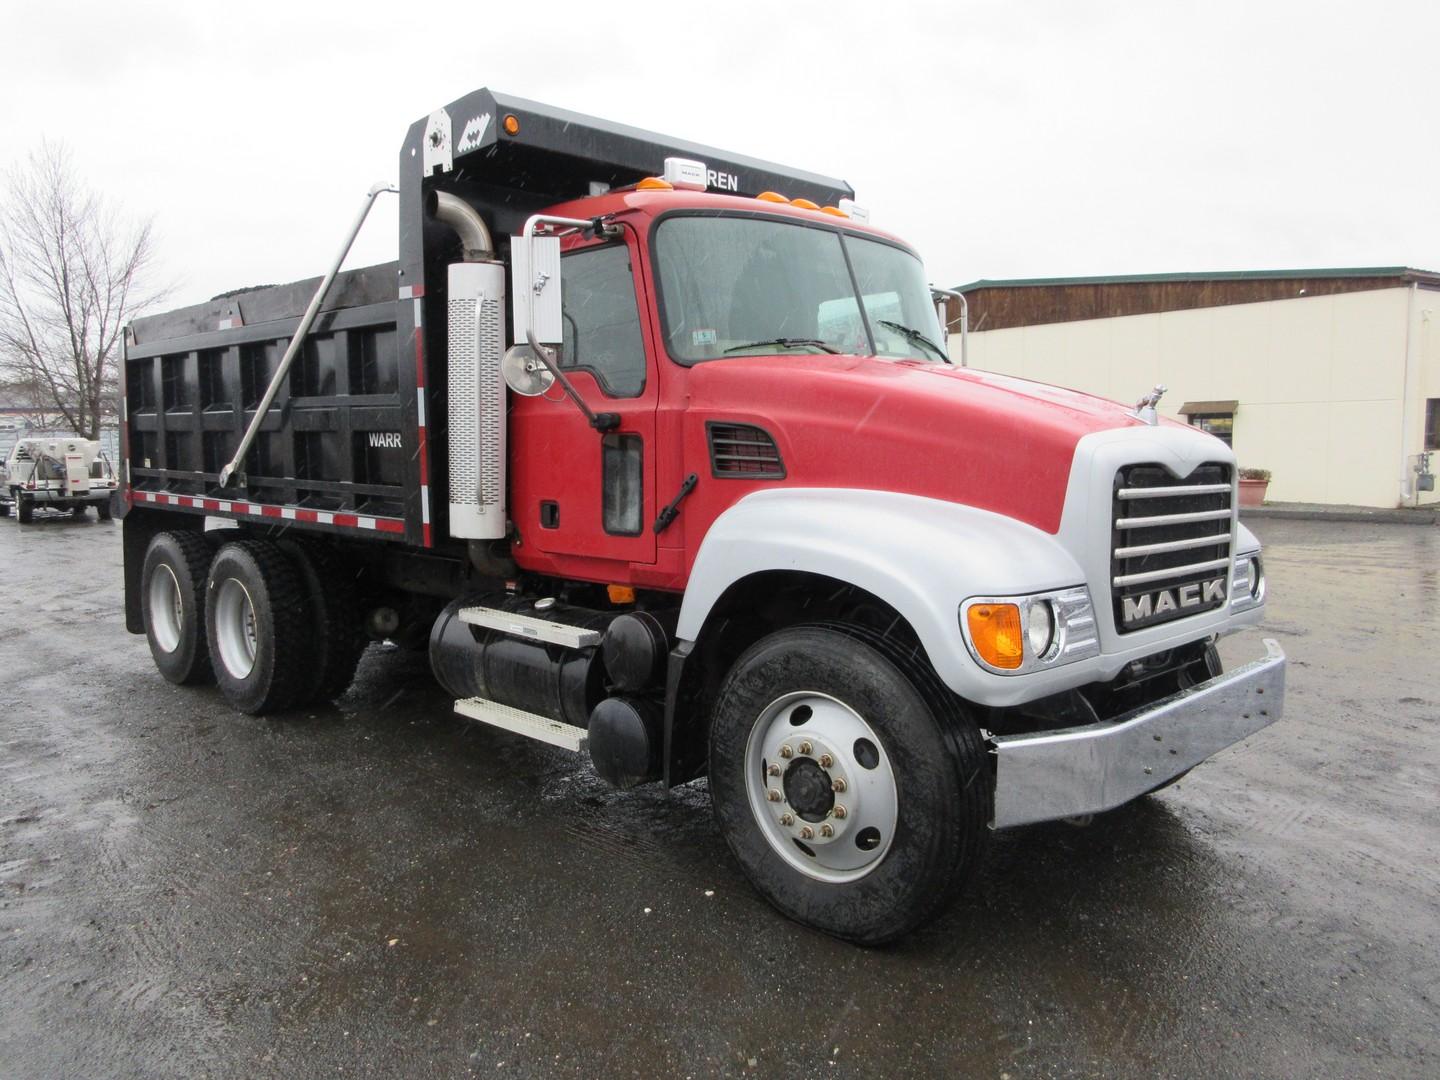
(73, 273)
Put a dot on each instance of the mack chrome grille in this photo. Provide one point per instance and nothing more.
(1170, 544)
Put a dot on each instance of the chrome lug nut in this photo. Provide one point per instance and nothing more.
(805, 748)
(787, 819)
(826, 761)
(807, 833)
(827, 830)
(773, 795)
(838, 784)
(786, 752)
(840, 811)
(774, 770)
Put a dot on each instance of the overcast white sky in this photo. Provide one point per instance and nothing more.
(1001, 139)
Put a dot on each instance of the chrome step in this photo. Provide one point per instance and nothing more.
(531, 725)
(527, 626)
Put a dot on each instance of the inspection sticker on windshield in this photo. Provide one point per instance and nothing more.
(702, 337)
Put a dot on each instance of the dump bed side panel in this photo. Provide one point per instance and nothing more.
(341, 448)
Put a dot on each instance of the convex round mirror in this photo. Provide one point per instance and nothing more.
(524, 372)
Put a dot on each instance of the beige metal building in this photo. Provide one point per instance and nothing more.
(1328, 378)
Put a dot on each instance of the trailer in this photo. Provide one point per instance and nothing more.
(658, 450)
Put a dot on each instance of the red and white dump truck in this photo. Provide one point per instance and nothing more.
(660, 449)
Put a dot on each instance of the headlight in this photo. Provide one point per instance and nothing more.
(1247, 584)
(1041, 630)
(1015, 635)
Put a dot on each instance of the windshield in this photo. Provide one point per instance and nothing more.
(736, 285)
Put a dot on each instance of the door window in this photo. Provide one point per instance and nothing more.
(602, 321)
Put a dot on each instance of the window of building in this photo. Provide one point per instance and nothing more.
(1221, 425)
(1215, 417)
(1432, 424)
(602, 321)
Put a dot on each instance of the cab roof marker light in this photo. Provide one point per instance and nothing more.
(654, 183)
(833, 211)
(771, 196)
(853, 212)
(805, 204)
(685, 174)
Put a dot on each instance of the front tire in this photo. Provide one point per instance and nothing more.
(172, 601)
(257, 627)
(24, 509)
(875, 817)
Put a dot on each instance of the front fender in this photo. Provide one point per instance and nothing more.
(921, 556)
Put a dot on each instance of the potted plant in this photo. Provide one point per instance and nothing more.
(1253, 483)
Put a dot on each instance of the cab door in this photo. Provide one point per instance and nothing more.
(573, 490)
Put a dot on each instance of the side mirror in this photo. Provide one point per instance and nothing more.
(524, 372)
(539, 319)
(535, 262)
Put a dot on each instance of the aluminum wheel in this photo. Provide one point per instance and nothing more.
(167, 617)
(235, 628)
(821, 786)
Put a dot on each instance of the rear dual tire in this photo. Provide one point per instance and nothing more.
(172, 601)
(274, 627)
(257, 627)
(334, 606)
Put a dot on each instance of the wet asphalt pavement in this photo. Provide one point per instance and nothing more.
(379, 889)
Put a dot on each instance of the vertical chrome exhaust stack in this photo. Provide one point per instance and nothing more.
(476, 392)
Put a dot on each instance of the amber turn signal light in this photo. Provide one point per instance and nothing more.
(511, 124)
(995, 633)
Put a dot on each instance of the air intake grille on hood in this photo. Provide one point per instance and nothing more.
(743, 452)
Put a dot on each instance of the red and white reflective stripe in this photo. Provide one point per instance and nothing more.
(230, 324)
(268, 510)
(424, 457)
(411, 292)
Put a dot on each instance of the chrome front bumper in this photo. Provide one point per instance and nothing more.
(1084, 770)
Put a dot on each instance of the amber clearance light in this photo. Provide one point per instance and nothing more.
(995, 633)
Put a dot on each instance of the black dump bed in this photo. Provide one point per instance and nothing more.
(329, 453)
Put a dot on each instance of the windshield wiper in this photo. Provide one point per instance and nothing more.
(786, 343)
(915, 337)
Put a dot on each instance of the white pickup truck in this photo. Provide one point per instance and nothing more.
(59, 473)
